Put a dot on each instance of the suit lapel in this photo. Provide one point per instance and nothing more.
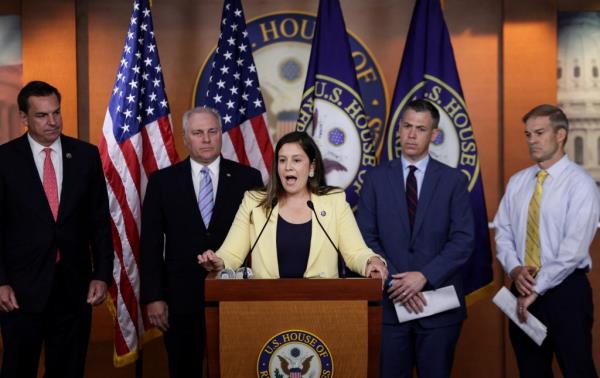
(325, 213)
(33, 181)
(69, 160)
(187, 187)
(430, 181)
(267, 245)
(223, 191)
(396, 178)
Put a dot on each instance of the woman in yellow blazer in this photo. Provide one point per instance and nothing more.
(292, 243)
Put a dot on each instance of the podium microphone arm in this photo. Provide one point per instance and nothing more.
(341, 266)
(245, 265)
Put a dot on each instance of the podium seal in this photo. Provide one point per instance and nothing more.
(295, 354)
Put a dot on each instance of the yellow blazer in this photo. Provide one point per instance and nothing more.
(333, 212)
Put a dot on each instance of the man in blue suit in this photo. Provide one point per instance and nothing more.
(415, 212)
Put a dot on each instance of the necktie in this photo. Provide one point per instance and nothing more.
(532, 242)
(51, 187)
(411, 195)
(205, 196)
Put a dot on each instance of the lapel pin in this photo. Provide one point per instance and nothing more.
(323, 213)
(228, 174)
(68, 155)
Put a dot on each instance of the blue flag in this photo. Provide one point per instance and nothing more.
(332, 110)
(428, 70)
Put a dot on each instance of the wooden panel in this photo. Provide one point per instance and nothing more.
(318, 292)
(49, 51)
(529, 72)
(212, 348)
(293, 289)
(375, 313)
(340, 325)
(10, 7)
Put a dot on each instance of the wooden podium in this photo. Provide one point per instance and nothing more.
(255, 325)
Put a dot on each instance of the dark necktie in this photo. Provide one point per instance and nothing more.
(411, 195)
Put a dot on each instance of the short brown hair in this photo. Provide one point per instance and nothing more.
(424, 106)
(557, 117)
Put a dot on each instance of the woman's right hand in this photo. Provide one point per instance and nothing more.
(210, 261)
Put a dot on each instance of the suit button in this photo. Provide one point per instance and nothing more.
(208, 234)
(411, 250)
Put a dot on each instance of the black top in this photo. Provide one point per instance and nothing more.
(293, 247)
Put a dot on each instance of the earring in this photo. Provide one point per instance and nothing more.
(311, 174)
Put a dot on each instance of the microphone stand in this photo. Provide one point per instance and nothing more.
(245, 265)
(341, 265)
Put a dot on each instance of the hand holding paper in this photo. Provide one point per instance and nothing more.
(507, 302)
(437, 301)
(405, 285)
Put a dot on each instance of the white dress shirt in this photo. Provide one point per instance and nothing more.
(569, 213)
(213, 169)
(56, 156)
(419, 173)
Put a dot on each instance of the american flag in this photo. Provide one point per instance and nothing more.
(137, 140)
(233, 90)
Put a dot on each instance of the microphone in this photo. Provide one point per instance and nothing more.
(341, 265)
(245, 268)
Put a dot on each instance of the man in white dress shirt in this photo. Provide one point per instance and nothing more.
(56, 251)
(544, 227)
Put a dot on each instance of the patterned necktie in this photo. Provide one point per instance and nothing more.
(532, 243)
(49, 182)
(51, 187)
(411, 195)
(205, 196)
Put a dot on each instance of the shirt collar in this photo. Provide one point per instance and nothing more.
(421, 164)
(37, 148)
(212, 167)
(557, 168)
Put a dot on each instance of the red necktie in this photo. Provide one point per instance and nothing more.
(51, 187)
(411, 195)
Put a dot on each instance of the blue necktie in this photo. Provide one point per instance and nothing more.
(205, 196)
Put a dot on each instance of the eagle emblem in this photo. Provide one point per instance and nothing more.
(295, 366)
(295, 354)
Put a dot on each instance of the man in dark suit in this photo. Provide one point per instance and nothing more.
(188, 209)
(56, 253)
(415, 212)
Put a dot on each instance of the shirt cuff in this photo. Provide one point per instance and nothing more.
(510, 265)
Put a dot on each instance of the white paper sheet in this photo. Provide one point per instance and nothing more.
(507, 302)
(439, 300)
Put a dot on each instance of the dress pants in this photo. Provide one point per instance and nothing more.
(63, 328)
(406, 345)
(184, 341)
(568, 312)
